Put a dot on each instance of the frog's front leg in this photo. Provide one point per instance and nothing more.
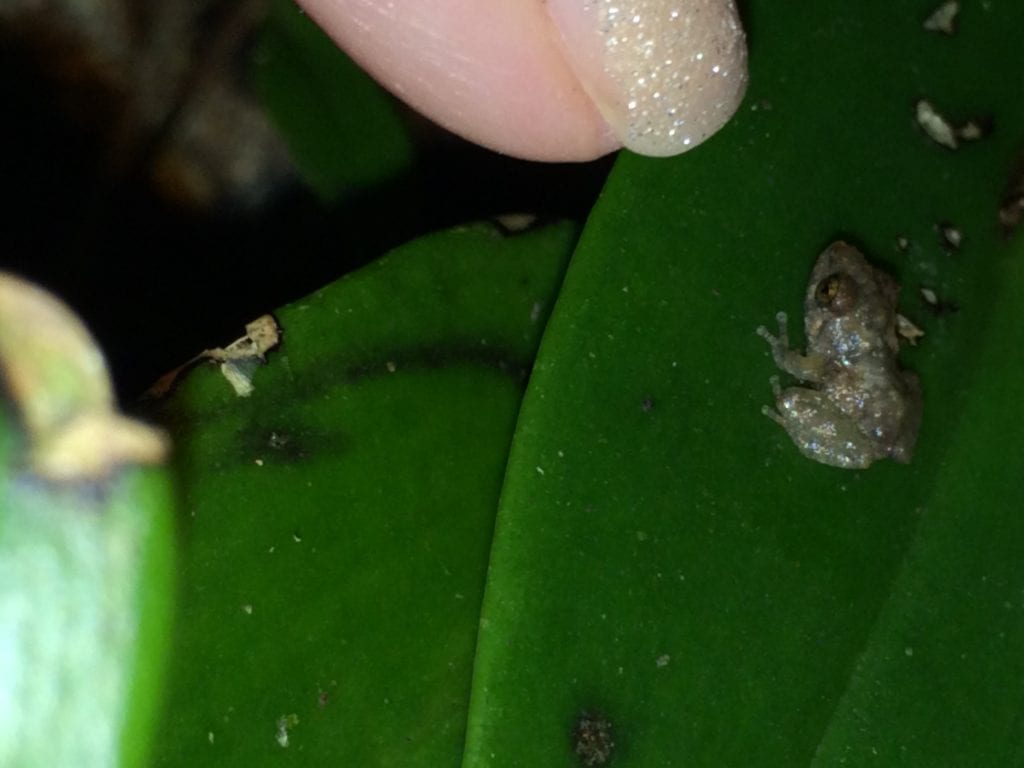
(805, 367)
(820, 430)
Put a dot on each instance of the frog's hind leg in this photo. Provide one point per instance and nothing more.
(820, 429)
(767, 410)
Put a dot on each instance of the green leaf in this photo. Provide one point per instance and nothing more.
(338, 521)
(343, 131)
(664, 556)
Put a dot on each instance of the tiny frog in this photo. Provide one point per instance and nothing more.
(858, 405)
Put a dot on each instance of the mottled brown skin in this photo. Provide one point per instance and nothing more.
(859, 406)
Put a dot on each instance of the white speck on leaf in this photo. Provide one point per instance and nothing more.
(935, 125)
(943, 18)
(284, 724)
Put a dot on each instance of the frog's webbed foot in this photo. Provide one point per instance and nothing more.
(782, 340)
(819, 428)
(770, 412)
(805, 368)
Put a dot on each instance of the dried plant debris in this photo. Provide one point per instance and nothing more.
(238, 361)
(1011, 207)
(161, 86)
(943, 18)
(935, 304)
(55, 374)
(515, 223)
(907, 330)
(950, 236)
(973, 130)
(592, 739)
(942, 131)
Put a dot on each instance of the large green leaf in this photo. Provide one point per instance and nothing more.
(665, 559)
(338, 521)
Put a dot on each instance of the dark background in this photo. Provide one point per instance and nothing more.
(159, 277)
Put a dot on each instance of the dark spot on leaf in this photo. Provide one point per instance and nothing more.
(275, 444)
(648, 404)
(1011, 206)
(592, 739)
(279, 440)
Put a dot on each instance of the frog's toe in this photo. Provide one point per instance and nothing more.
(772, 414)
(773, 340)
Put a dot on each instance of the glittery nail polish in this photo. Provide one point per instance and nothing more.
(666, 74)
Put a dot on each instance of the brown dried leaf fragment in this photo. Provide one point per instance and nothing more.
(238, 360)
(907, 330)
(55, 374)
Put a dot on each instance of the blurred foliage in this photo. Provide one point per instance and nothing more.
(343, 130)
(86, 543)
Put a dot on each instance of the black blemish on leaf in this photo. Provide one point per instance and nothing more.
(1011, 205)
(282, 445)
(592, 739)
(279, 440)
(648, 404)
(391, 361)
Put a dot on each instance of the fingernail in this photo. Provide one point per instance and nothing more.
(665, 74)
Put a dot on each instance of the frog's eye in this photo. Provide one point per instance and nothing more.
(837, 292)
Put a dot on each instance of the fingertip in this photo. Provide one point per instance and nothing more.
(562, 80)
(494, 73)
(665, 74)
